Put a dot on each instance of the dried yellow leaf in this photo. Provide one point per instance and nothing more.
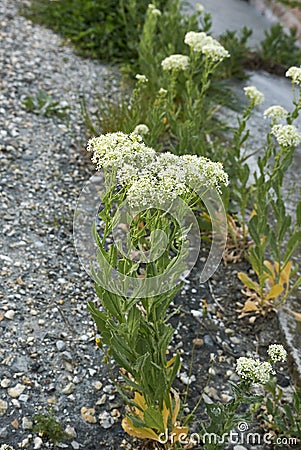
(141, 433)
(274, 292)
(249, 306)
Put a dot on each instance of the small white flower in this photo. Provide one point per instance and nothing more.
(275, 112)
(186, 379)
(162, 92)
(254, 95)
(6, 447)
(295, 74)
(200, 8)
(175, 63)
(153, 10)
(286, 135)
(277, 353)
(141, 129)
(141, 78)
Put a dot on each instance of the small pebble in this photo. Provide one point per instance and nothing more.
(38, 442)
(5, 383)
(68, 389)
(3, 407)
(88, 414)
(60, 345)
(26, 423)
(10, 314)
(16, 391)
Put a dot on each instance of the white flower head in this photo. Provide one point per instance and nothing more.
(113, 150)
(199, 8)
(286, 135)
(6, 447)
(141, 78)
(152, 178)
(275, 112)
(254, 95)
(277, 353)
(153, 10)
(295, 74)
(252, 370)
(141, 129)
(201, 171)
(215, 51)
(263, 372)
(197, 40)
(175, 63)
(202, 43)
(162, 92)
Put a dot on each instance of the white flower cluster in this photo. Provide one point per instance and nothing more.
(277, 353)
(197, 40)
(295, 74)
(153, 10)
(202, 43)
(275, 112)
(254, 95)
(6, 447)
(254, 371)
(141, 78)
(286, 135)
(215, 51)
(150, 177)
(141, 129)
(169, 176)
(174, 63)
(113, 150)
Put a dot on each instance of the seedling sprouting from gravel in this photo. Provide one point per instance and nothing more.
(43, 104)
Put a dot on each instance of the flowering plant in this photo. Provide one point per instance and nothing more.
(147, 206)
(273, 286)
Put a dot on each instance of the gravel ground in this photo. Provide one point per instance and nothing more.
(48, 354)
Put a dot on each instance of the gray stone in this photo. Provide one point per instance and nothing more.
(60, 345)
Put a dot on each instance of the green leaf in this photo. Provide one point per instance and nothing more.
(298, 214)
(153, 419)
(270, 406)
(284, 228)
(133, 325)
(248, 282)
